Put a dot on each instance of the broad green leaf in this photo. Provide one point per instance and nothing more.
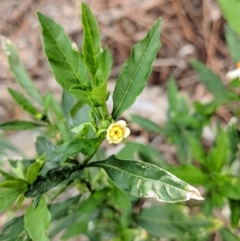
(189, 174)
(91, 39)
(19, 125)
(231, 9)
(128, 151)
(34, 169)
(51, 179)
(8, 196)
(233, 139)
(147, 124)
(37, 220)
(67, 64)
(99, 93)
(212, 81)
(233, 43)
(227, 235)
(218, 155)
(143, 179)
(14, 184)
(235, 212)
(44, 146)
(135, 71)
(14, 231)
(19, 71)
(172, 96)
(170, 222)
(23, 101)
(17, 168)
(79, 145)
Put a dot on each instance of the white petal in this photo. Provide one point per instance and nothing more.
(233, 74)
(121, 123)
(126, 132)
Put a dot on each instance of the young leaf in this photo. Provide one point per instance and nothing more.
(37, 221)
(235, 212)
(227, 235)
(91, 39)
(233, 43)
(19, 125)
(19, 71)
(147, 124)
(14, 184)
(67, 64)
(212, 81)
(135, 71)
(8, 196)
(23, 101)
(147, 180)
(218, 155)
(34, 169)
(231, 9)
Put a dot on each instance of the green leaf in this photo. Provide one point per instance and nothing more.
(91, 39)
(19, 125)
(189, 174)
(50, 180)
(233, 43)
(37, 221)
(218, 155)
(147, 124)
(227, 235)
(14, 231)
(14, 184)
(67, 64)
(212, 81)
(99, 93)
(231, 9)
(128, 151)
(8, 196)
(19, 71)
(79, 145)
(6, 175)
(147, 180)
(34, 169)
(235, 212)
(23, 101)
(170, 222)
(135, 71)
(230, 188)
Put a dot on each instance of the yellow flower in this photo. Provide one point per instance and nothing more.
(117, 131)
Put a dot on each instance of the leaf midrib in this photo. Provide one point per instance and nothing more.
(130, 83)
(94, 55)
(61, 52)
(132, 174)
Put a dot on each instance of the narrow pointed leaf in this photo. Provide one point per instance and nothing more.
(66, 63)
(37, 221)
(91, 39)
(19, 125)
(147, 180)
(19, 71)
(23, 101)
(136, 70)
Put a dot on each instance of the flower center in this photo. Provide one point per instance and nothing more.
(116, 133)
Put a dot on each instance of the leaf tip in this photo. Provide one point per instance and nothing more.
(193, 193)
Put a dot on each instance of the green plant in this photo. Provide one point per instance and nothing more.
(110, 191)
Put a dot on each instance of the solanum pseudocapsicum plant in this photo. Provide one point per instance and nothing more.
(71, 160)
